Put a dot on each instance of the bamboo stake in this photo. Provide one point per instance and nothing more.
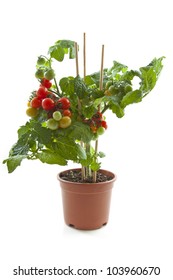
(84, 55)
(101, 87)
(87, 169)
(79, 104)
(77, 62)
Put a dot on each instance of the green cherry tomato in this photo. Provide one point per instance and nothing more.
(41, 60)
(100, 130)
(31, 112)
(65, 122)
(108, 84)
(128, 88)
(52, 124)
(49, 74)
(113, 89)
(57, 115)
(39, 74)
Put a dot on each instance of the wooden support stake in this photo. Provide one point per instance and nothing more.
(101, 87)
(84, 55)
(79, 103)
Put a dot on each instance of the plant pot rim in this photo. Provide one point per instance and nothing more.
(88, 183)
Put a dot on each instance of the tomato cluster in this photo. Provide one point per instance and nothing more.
(97, 123)
(57, 109)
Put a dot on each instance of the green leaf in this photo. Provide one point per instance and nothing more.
(93, 79)
(67, 85)
(68, 44)
(89, 111)
(58, 53)
(51, 157)
(131, 97)
(116, 109)
(148, 77)
(42, 134)
(80, 131)
(129, 75)
(95, 166)
(157, 65)
(80, 87)
(116, 68)
(23, 129)
(101, 154)
(13, 162)
(21, 147)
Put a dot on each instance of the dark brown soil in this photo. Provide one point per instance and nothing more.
(76, 176)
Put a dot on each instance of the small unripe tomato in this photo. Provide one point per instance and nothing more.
(128, 88)
(49, 74)
(39, 74)
(57, 115)
(108, 84)
(41, 60)
(100, 130)
(113, 89)
(65, 122)
(31, 112)
(52, 124)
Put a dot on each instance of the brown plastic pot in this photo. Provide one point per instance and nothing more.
(86, 205)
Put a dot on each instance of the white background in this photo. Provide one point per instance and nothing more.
(138, 146)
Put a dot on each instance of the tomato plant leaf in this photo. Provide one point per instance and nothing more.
(157, 65)
(93, 79)
(117, 109)
(13, 162)
(68, 149)
(40, 133)
(149, 79)
(131, 97)
(80, 87)
(51, 157)
(21, 147)
(81, 132)
(68, 44)
(67, 85)
(116, 68)
(57, 52)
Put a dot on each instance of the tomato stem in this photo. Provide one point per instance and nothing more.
(58, 93)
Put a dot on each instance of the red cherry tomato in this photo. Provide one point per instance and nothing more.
(35, 102)
(63, 103)
(46, 83)
(48, 104)
(67, 113)
(104, 124)
(42, 92)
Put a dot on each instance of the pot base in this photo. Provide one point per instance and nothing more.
(86, 205)
(78, 228)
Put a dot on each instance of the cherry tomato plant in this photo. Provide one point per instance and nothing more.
(67, 114)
